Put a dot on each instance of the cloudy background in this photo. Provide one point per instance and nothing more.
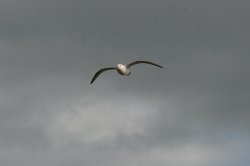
(196, 113)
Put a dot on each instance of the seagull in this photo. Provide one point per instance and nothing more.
(121, 69)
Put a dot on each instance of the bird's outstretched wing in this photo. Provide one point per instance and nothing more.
(100, 71)
(137, 62)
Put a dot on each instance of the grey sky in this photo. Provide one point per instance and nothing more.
(196, 113)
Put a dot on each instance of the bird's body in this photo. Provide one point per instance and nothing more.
(122, 69)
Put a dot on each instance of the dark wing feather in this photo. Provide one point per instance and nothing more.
(100, 71)
(137, 62)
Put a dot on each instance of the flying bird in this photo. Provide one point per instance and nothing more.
(122, 69)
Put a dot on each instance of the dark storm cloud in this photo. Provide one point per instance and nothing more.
(196, 112)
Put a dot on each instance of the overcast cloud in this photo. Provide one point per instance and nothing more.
(196, 113)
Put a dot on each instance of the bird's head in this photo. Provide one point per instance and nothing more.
(119, 66)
